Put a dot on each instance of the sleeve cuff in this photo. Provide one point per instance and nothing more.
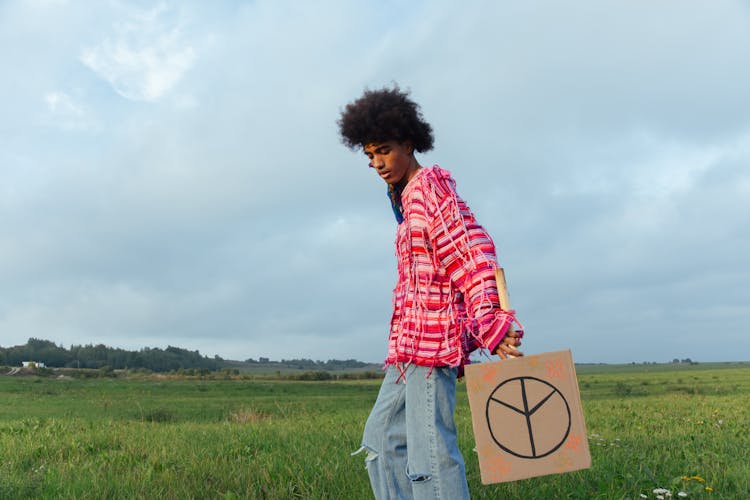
(493, 327)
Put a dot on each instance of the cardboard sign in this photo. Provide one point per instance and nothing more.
(527, 417)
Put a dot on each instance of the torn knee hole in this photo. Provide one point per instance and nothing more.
(419, 478)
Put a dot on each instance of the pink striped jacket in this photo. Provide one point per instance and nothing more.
(445, 303)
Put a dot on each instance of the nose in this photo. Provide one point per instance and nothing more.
(377, 163)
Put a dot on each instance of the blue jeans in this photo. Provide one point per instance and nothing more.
(410, 437)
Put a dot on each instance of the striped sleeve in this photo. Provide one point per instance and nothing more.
(465, 251)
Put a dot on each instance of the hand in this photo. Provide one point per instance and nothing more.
(507, 347)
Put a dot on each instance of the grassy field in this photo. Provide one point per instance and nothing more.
(682, 428)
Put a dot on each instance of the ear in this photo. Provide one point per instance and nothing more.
(408, 145)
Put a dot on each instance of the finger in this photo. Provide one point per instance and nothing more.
(504, 353)
(512, 341)
(510, 351)
(516, 334)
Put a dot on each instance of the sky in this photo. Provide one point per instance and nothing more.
(172, 172)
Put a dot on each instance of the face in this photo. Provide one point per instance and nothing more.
(393, 161)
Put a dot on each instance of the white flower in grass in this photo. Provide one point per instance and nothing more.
(682, 494)
(644, 496)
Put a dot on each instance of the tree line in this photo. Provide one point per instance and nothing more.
(100, 356)
(158, 360)
(309, 364)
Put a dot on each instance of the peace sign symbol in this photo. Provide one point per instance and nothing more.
(516, 411)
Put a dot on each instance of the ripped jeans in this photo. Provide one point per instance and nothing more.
(410, 437)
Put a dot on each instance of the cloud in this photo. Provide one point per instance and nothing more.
(145, 58)
(67, 114)
(60, 102)
(49, 3)
(605, 149)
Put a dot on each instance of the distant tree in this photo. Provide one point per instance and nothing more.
(98, 356)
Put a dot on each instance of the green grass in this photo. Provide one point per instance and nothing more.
(161, 438)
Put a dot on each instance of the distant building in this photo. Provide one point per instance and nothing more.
(33, 364)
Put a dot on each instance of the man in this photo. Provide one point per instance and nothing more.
(445, 304)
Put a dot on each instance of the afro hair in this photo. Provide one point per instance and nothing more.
(385, 115)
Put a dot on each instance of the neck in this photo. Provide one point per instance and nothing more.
(411, 172)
